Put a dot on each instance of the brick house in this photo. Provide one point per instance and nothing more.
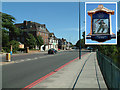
(34, 28)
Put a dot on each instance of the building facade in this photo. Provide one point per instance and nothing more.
(34, 28)
(53, 41)
(62, 44)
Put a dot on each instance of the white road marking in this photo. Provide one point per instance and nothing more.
(30, 59)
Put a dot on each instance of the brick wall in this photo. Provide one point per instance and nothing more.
(44, 35)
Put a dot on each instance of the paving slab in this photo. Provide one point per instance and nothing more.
(64, 78)
(90, 76)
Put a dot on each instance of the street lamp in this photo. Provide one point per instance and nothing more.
(79, 34)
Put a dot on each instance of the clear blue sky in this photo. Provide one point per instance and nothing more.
(59, 17)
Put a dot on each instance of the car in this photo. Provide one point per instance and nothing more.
(74, 47)
(52, 51)
(89, 48)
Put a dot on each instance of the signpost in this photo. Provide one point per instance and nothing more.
(101, 29)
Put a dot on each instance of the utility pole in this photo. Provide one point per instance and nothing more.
(79, 34)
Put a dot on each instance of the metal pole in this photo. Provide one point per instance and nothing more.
(11, 52)
(79, 34)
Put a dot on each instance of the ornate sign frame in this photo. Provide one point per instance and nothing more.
(101, 26)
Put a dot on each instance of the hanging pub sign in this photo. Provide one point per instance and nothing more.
(100, 27)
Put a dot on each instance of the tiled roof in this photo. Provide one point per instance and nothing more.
(50, 34)
(34, 25)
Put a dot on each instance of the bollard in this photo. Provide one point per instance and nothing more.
(8, 57)
(27, 50)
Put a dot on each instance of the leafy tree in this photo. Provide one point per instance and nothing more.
(82, 41)
(8, 25)
(0, 40)
(31, 41)
(5, 37)
(15, 46)
(118, 42)
(39, 41)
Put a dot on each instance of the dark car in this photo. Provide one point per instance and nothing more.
(52, 51)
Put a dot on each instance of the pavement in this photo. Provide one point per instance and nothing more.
(84, 73)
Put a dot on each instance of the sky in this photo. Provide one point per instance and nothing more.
(59, 17)
(62, 18)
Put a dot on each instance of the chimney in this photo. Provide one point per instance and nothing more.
(25, 23)
(44, 25)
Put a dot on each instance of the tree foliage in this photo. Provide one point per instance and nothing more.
(39, 41)
(31, 41)
(7, 20)
(82, 41)
(8, 25)
(15, 46)
(5, 37)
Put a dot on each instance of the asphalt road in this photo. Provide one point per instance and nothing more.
(19, 75)
(24, 56)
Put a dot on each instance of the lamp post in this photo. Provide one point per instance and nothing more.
(79, 34)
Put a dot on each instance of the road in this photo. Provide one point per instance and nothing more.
(25, 56)
(19, 75)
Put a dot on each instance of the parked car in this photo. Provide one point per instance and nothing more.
(74, 47)
(89, 48)
(52, 51)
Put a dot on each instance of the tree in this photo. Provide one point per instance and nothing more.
(82, 41)
(39, 41)
(31, 41)
(118, 34)
(8, 25)
(15, 46)
(5, 37)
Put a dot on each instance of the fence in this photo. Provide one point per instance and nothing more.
(110, 71)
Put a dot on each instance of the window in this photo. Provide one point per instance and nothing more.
(45, 41)
(37, 33)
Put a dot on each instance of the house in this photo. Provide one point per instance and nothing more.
(53, 41)
(68, 45)
(35, 29)
(62, 44)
